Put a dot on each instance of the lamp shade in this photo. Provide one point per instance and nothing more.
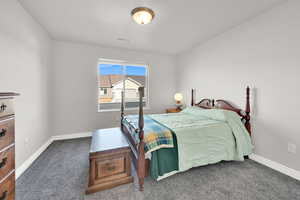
(178, 97)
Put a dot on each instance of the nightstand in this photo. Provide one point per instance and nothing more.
(173, 110)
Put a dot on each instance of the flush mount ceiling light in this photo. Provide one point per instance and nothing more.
(142, 15)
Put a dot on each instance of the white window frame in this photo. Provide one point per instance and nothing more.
(127, 63)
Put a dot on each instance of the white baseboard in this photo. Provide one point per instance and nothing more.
(25, 165)
(276, 166)
(72, 136)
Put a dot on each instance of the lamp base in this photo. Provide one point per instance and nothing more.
(179, 106)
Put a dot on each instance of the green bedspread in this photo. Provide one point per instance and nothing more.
(206, 136)
(202, 137)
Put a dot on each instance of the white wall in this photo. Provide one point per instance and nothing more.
(75, 85)
(265, 54)
(24, 68)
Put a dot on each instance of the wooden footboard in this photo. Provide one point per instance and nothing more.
(134, 150)
(138, 149)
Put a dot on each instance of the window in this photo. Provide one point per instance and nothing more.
(103, 91)
(115, 77)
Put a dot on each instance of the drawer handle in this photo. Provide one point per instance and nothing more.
(3, 162)
(4, 194)
(3, 107)
(2, 133)
(110, 167)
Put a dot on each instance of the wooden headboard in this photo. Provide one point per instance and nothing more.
(223, 104)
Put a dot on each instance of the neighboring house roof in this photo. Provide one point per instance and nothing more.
(129, 79)
(107, 81)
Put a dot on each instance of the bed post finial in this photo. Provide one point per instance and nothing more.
(122, 107)
(193, 100)
(247, 110)
(141, 146)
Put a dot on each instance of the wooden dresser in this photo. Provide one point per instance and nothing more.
(7, 147)
(110, 161)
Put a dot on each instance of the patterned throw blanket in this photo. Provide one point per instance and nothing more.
(156, 135)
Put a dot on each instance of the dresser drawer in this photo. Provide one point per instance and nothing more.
(7, 162)
(7, 188)
(7, 129)
(6, 107)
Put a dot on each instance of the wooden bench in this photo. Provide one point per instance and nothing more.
(110, 161)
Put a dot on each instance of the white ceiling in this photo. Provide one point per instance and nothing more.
(177, 26)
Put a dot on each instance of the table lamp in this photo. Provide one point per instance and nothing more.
(178, 98)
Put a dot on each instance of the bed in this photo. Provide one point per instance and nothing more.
(205, 133)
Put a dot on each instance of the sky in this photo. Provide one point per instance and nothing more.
(109, 69)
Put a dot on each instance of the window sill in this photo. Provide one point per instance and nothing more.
(119, 110)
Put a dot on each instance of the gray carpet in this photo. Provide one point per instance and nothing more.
(61, 172)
